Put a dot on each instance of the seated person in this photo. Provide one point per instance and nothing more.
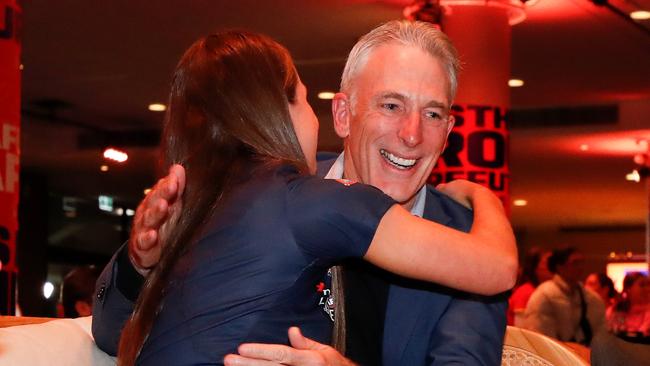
(601, 284)
(629, 317)
(534, 271)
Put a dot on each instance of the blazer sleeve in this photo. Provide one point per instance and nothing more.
(470, 332)
(116, 290)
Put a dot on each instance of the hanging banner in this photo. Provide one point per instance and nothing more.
(477, 150)
(10, 27)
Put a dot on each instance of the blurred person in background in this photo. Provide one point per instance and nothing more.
(77, 291)
(534, 270)
(629, 317)
(561, 308)
(601, 284)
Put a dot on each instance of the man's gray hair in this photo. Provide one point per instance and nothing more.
(417, 34)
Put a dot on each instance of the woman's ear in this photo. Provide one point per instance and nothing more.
(341, 114)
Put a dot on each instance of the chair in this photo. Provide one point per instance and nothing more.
(60, 342)
(525, 347)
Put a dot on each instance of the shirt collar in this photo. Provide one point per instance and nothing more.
(336, 172)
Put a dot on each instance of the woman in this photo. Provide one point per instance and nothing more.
(601, 284)
(257, 233)
(534, 272)
(629, 318)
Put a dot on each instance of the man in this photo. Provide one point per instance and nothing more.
(561, 307)
(393, 113)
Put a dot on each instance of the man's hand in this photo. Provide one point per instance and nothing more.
(157, 211)
(304, 352)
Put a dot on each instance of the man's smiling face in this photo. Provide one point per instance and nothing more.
(397, 121)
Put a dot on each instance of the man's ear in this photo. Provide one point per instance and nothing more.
(452, 122)
(450, 126)
(341, 114)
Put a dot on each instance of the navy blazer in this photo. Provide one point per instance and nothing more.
(427, 324)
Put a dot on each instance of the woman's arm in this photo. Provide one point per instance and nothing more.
(483, 261)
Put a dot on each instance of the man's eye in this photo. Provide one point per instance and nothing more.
(390, 106)
(433, 115)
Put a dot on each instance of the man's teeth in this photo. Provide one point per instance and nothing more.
(397, 161)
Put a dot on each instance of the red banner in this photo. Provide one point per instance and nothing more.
(477, 150)
(10, 25)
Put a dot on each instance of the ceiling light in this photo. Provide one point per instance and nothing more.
(520, 203)
(157, 107)
(634, 176)
(584, 147)
(114, 154)
(21, 67)
(326, 95)
(130, 212)
(515, 83)
(640, 15)
(146, 191)
(48, 289)
(103, 168)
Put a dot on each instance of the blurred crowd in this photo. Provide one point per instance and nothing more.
(552, 299)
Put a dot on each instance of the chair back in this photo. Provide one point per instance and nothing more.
(525, 347)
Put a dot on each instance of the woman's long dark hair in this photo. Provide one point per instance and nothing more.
(228, 110)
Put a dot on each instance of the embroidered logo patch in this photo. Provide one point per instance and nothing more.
(326, 300)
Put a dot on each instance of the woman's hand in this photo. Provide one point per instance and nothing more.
(153, 218)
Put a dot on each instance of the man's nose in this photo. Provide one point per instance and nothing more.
(410, 131)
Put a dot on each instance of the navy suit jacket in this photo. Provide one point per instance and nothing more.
(426, 324)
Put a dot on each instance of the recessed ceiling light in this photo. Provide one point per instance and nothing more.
(116, 155)
(146, 191)
(103, 168)
(48, 289)
(326, 95)
(21, 67)
(515, 83)
(520, 203)
(634, 176)
(584, 147)
(640, 15)
(157, 107)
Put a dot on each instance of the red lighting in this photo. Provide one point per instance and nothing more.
(618, 143)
